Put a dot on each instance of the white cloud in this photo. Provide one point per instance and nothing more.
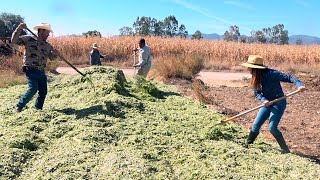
(205, 13)
(239, 4)
(303, 3)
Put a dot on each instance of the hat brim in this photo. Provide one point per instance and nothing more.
(42, 27)
(254, 66)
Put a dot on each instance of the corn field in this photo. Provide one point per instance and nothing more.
(119, 49)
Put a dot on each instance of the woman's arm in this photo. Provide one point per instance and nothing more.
(259, 96)
(287, 78)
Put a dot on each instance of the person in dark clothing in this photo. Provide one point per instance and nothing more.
(95, 55)
(266, 86)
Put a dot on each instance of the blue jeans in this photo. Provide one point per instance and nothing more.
(274, 113)
(37, 81)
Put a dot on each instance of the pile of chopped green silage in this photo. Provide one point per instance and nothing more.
(130, 129)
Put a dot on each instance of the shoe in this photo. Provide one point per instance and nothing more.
(16, 110)
(252, 137)
(282, 143)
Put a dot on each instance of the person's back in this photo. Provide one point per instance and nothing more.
(95, 55)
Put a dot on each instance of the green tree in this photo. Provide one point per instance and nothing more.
(243, 39)
(183, 33)
(142, 26)
(157, 27)
(2, 29)
(233, 34)
(258, 36)
(299, 42)
(197, 35)
(8, 23)
(126, 31)
(94, 33)
(279, 35)
(227, 36)
(150, 26)
(274, 35)
(170, 24)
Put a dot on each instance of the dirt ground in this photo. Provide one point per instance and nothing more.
(300, 123)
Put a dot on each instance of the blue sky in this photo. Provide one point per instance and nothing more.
(208, 16)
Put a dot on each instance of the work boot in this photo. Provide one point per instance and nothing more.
(252, 136)
(16, 110)
(285, 149)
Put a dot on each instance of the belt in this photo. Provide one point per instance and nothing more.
(33, 68)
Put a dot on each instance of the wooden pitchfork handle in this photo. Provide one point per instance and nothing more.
(61, 57)
(134, 60)
(272, 102)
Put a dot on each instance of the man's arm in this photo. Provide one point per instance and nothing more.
(16, 38)
(54, 54)
(143, 58)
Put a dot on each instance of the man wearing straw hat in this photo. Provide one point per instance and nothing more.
(37, 51)
(144, 58)
(95, 55)
(266, 86)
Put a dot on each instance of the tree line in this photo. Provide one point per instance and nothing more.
(145, 26)
(168, 27)
(275, 35)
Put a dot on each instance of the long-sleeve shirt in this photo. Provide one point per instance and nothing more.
(144, 56)
(270, 84)
(95, 57)
(36, 51)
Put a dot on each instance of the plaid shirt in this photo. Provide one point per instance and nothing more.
(36, 51)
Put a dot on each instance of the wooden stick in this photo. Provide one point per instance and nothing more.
(250, 110)
(61, 57)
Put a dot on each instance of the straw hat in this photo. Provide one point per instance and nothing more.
(95, 46)
(255, 61)
(45, 26)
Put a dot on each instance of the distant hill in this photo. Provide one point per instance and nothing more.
(308, 40)
(213, 36)
(305, 39)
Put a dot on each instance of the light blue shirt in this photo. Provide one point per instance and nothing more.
(144, 56)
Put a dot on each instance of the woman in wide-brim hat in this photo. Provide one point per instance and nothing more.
(95, 55)
(95, 46)
(266, 86)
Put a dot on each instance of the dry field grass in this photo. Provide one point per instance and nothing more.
(176, 57)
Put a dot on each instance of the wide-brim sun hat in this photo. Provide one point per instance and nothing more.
(95, 46)
(45, 26)
(255, 61)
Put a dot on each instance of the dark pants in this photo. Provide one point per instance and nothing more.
(274, 113)
(37, 81)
